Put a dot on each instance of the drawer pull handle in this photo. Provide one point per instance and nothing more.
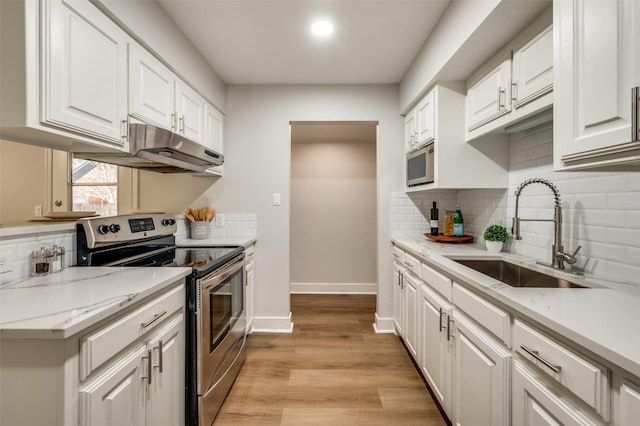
(555, 368)
(155, 318)
(409, 265)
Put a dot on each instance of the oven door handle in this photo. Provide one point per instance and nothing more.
(221, 275)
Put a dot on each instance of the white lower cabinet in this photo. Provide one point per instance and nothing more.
(436, 350)
(411, 335)
(481, 376)
(487, 366)
(125, 371)
(398, 298)
(628, 412)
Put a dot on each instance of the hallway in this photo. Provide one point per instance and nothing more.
(333, 369)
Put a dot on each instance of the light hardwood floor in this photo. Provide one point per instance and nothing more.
(332, 370)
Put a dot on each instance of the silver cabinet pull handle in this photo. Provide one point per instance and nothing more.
(635, 114)
(449, 327)
(149, 367)
(555, 368)
(173, 121)
(123, 129)
(155, 318)
(440, 326)
(500, 92)
(159, 366)
(408, 265)
(514, 91)
(182, 124)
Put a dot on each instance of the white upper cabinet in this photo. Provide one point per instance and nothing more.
(452, 152)
(419, 124)
(532, 69)
(214, 132)
(190, 112)
(515, 84)
(425, 114)
(85, 80)
(410, 131)
(487, 99)
(152, 91)
(597, 72)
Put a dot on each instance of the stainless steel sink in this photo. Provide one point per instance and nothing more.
(516, 276)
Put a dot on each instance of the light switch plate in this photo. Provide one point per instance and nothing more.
(276, 198)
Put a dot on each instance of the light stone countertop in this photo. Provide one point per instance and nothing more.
(60, 305)
(604, 319)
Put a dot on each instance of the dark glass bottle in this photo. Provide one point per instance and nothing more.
(433, 223)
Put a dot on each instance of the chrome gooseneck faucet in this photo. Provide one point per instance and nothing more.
(558, 256)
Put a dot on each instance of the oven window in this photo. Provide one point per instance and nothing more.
(226, 301)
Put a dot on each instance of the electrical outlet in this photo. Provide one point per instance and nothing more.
(37, 211)
(220, 220)
(5, 265)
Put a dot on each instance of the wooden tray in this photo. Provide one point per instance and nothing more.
(453, 240)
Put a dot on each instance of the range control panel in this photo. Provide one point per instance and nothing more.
(126, 228)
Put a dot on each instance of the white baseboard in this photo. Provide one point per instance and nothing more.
(384, 325)
(334, 288)
(272, 324)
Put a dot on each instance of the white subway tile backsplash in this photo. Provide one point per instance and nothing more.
(601, 210)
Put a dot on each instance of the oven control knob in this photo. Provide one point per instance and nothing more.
(103, 229)
(114, 227)
(168, 222)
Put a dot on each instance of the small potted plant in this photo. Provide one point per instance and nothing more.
(494, 236)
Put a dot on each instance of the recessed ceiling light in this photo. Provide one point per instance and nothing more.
(322, 28)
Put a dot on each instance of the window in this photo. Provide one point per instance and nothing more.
(94, 187)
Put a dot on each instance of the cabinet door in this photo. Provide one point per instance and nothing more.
(535, 403)
(425, 113)
(152, 92)
(481, 388)
(533, 69)
(411, 308)
(410, 130)
(165, 404)
(85, 71)
(597, 66)
(117, 397)
(398, 299)
(436, 346)
(190, 106)
(487, 99)
(213, 128)
(629, 404)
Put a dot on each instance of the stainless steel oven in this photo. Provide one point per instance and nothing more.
(215, 319)
(220, 322)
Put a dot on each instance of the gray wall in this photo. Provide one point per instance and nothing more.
(258, 148)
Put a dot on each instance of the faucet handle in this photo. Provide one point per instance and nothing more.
(576, 251)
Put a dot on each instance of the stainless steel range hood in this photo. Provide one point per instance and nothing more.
(155, 149)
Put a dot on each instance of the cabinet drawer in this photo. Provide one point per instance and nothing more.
(438, 281)
(398, 254)
(249, 254)
(485, 313)
(585, 378)
(411, 263)
(102, 344)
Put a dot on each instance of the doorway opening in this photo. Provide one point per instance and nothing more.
(333, 217)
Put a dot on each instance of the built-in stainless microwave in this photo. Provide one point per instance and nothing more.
(420, 165)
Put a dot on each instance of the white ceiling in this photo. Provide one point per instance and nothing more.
(269, 42)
